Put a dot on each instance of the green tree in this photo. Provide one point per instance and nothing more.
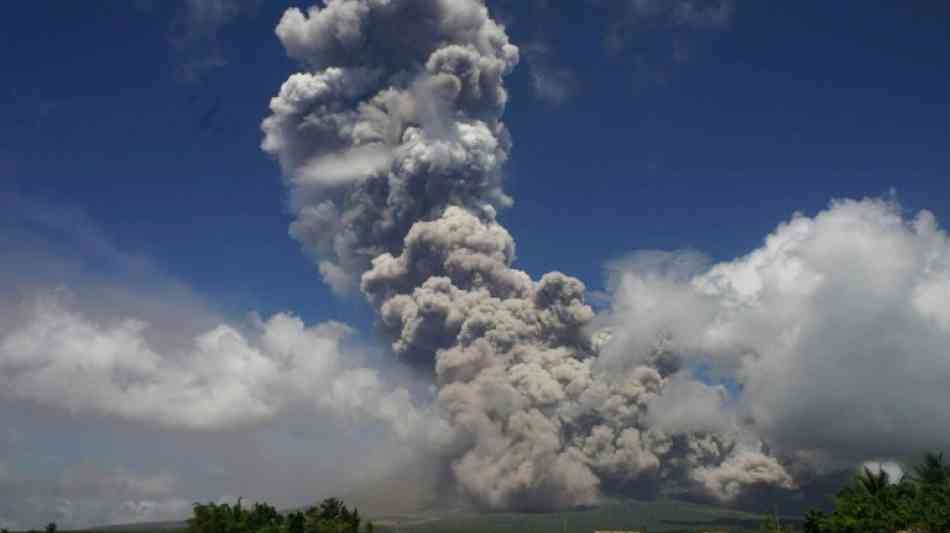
(330, 516)
(932, 471)
(871, 483)
(331, 508)
(296, 522)
(871, 504)
(51, 527)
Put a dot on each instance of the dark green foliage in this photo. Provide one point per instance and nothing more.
(296, 523)
(51, 527)
(932, 470)
(871, 483)
(871, 504)
(331, 516)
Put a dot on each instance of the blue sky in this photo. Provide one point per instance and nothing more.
(131, 174)
(779, 110)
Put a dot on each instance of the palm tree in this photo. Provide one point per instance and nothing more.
(872, 483)
(932, 471)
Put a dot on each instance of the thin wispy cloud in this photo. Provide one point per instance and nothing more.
(551, 81)
(196, 31)
(660, 36)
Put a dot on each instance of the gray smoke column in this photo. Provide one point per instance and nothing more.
(397, 118)
(393, 147)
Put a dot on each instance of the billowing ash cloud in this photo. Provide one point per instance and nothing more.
(392, 145)
(396, 119)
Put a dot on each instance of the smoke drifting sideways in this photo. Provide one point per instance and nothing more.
(392, 145)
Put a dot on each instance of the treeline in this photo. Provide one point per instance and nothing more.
(50, 528)
(874, 503)
(330, 516)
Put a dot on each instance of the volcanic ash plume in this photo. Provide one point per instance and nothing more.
(392, 145)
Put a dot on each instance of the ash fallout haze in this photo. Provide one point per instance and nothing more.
(269, 251)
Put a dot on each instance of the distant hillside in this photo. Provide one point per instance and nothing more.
(141, 527)
(667, 516)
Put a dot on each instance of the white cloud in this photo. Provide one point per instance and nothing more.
(835, 330)
(143, 347)
(659, 36)
(102, 356)
(552, 82)
(196, 33)
(692, 14)
(58, 357)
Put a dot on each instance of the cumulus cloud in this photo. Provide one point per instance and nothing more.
(99, 343)
(141, 346)
(834, 330)
(54, 355)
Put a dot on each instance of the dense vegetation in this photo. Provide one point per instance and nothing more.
(331, 516)
(873, 503)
